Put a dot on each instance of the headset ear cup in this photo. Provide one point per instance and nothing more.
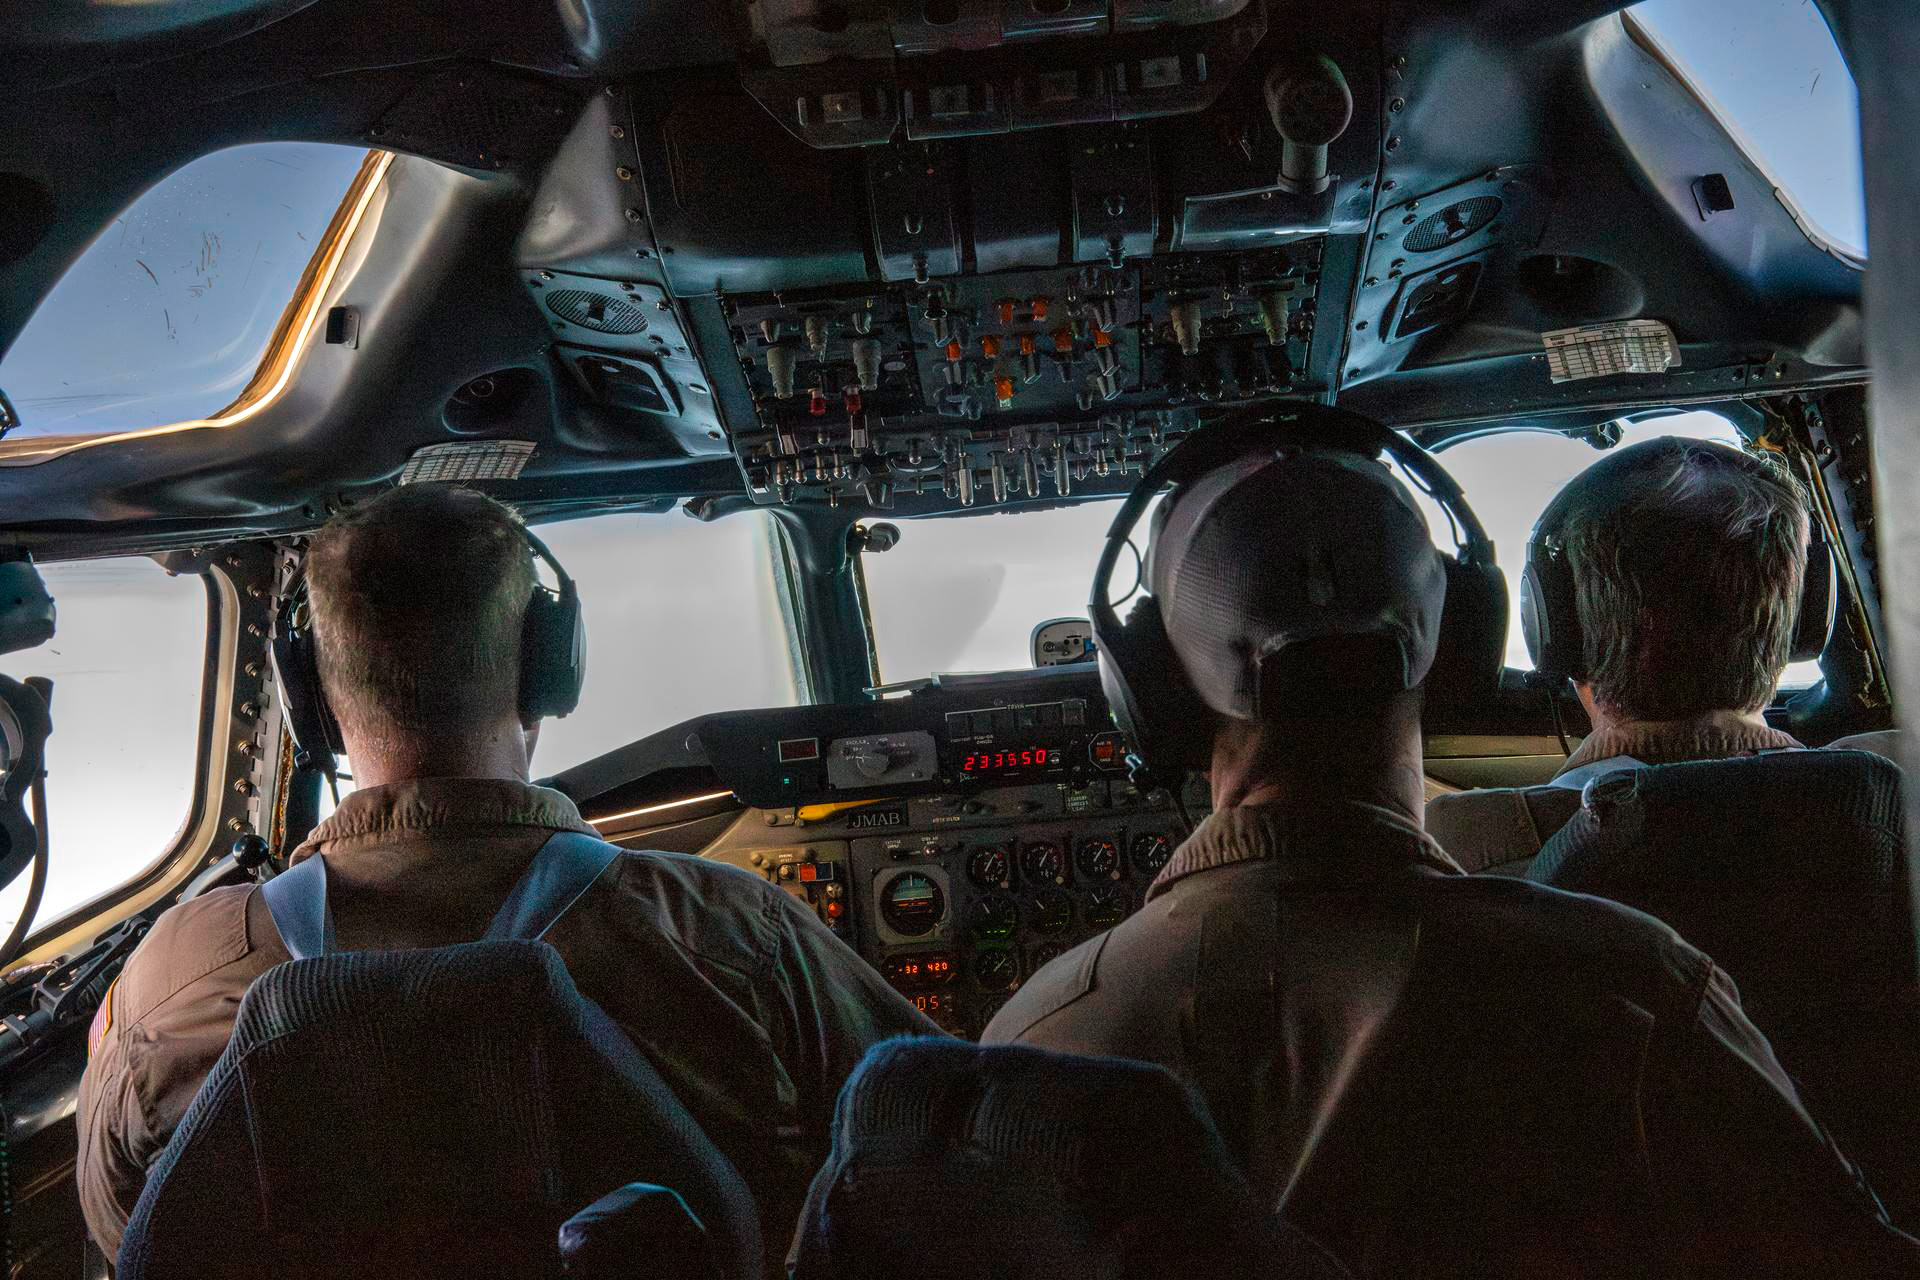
(1472, 648)
(1819, 603)
(295, 658)
(1147, 690)
(1550, 613)
(553, 648)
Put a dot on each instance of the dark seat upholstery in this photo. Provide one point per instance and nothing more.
(1789, 869)
(431, 1113)
(955, 1162)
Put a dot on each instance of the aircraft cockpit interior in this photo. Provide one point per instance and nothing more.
(843, 366)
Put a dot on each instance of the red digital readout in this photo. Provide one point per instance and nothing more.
(1003, 761)
(932, 1005)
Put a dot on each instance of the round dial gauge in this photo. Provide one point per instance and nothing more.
(1099, 859)
(1043, 953)
(1107, 906)
(997, 970)
(912, 904)
(1043, 863)
(989, 867)
(1049, 911)
(995, 917)
(1150, 854)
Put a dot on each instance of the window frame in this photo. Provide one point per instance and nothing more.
(200, 827)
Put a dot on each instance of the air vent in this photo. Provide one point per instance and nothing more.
(597, 311)
(1452, 224)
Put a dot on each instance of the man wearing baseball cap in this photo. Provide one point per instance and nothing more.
(1434, 1073)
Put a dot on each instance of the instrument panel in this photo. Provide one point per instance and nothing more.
(959, 898)
(958, 835)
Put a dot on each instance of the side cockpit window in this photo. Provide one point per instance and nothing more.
(167, 317)
(128, 665)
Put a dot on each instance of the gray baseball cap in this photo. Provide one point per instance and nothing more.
(1287, 547)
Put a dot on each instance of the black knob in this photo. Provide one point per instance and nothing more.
(250, 852)
(1311, 106)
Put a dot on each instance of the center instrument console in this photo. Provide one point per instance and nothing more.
(959, 834)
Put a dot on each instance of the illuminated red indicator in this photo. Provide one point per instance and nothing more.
(1103, 751)
(799, 749)
(1005, 307)
(1026, 344)
(1039, 306)
(835, 910)
(1063, 341)
(1101, 338)
(817, 403)
(853, 400)
(989, 346)
(955, 350)
(809, 872)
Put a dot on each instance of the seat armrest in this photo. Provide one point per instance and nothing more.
(638, 1232)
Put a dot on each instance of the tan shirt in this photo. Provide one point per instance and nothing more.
(1438, 1074)
(749, 1007)
(1500, 829)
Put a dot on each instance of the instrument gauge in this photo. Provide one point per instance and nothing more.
(1099, 859)
(997, 970)
(1049, 911)
(1107, 906)
(912, 904)
(1042, 862)
(1150, 854)
(994, 918)
(990, 867)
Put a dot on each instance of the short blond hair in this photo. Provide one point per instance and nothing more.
(419, 598)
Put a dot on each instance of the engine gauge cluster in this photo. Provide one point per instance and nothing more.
(959, 917)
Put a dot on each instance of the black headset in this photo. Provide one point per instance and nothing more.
(1549, 598)
(553, 662)
(1147, 690)
(24, 726)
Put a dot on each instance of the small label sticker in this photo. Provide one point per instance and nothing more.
(1607, 350)
(870, 819)
(461, 460)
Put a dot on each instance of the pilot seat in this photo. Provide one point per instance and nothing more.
(444, 1112)
(953, 1161)
(1789, 869)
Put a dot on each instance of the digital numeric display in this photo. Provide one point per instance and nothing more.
(982, 764)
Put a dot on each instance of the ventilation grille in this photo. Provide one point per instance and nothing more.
(596, 311)
(1452, 224)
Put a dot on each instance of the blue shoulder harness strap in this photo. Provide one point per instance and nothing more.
(1577, 779)
(564, 869)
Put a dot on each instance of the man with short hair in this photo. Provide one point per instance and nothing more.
(748, 1006)
(1432, 1073)
(1687, 560)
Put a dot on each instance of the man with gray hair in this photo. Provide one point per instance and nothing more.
(1665, 580)
(746, 1004)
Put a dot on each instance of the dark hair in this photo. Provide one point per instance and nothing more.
(418, 601)
(1688, 569)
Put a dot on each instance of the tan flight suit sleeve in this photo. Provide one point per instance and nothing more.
(164, 1024)
(1731, 1144)
(833, 1007)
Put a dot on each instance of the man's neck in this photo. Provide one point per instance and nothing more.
(1376, 761)
(382, 759)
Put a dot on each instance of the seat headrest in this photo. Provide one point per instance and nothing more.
(956, 1160)
(1828, 820)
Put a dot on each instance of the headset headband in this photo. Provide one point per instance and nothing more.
(1301, 424)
